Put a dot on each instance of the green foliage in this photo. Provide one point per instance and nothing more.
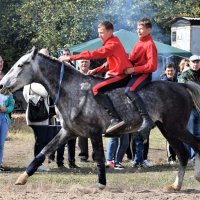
(56, 24)
(8, 41)
(62, 23)
(167, 10)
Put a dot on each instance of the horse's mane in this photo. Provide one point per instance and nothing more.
(70, 67)
(52, 59)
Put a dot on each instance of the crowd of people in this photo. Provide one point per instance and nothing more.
(132, 72)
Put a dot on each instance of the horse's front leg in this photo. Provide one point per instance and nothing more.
(99, 157)
(62, 137)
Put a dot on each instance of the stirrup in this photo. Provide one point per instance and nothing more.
(146, 125)
(115, 124)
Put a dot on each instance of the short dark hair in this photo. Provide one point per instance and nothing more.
(108, 25)
(145, 22)
(170, 65)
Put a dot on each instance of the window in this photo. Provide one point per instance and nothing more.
(174, 36)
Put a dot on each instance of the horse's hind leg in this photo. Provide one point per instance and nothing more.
(182, 155)
(99, 157)
(60, 138)
(194, 142)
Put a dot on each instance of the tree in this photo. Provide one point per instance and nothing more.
(62, 23)
(8, 40)
(58, 23)
(167, 10)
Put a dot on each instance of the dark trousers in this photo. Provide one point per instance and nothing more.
(60, 151)
(128, 151)
(170, 153)
(71, 150)
(42, 135)
(71, 144)
(83, 145)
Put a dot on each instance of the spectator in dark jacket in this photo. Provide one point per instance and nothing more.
(170, 74)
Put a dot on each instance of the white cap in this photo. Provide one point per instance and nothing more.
(194, 57)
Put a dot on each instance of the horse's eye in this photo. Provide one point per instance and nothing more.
(23, 64)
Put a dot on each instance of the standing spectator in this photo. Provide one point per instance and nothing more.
(116, 149)
(139, 146)
(184, 65)
(71, 144)
(54, 128)
(192, 74)
(6, 107)
(34, 92)
(83, 66)
(117, 62)
(144, 59)
(66, 52)
(128, 151)
(170, 74)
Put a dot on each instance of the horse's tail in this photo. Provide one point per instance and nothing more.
(194, 90)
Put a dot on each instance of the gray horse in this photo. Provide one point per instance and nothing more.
(169, 105)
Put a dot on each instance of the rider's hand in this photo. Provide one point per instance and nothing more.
(129, 70)
(91, 72)
(64, 58)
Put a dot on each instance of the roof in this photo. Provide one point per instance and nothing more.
(128, 39)
(192, 20)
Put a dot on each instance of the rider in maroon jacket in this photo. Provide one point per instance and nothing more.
(117, 63)
(144, 59)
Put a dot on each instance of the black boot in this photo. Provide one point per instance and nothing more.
(72, 165)
(147, 123)
(107, 104)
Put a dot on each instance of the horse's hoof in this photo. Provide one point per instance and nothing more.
(101, 186)
(22, 179)
(172, 188)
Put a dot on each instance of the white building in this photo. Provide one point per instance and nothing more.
(185, 34)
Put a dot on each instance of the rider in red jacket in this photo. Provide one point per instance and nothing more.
(144, 59)
(116, 65)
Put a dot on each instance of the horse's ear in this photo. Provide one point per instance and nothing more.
(34, 52)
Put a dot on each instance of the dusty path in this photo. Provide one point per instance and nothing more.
(80, 193)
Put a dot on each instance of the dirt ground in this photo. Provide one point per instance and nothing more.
(92, 193)
(53, 191)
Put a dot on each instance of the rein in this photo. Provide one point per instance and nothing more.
(60, 82)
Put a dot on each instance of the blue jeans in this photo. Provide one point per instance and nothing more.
(194, 127)
(116, 148)
(139, 151)
(3, 134)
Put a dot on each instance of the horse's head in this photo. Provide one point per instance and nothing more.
(20, 74)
